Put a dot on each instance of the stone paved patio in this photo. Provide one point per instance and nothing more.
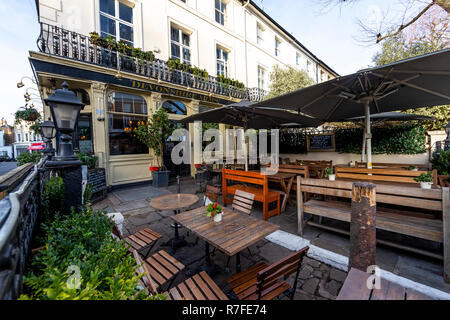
(316, 280)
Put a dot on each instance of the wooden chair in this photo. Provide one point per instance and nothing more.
(198, 287)
(212, 193)
(243, 201)
(263, 282)
(142, 240)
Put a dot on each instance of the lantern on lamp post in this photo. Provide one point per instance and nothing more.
(65, 108)
(48, 133)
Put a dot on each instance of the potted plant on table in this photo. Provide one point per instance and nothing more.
(328, 173)
(215, 211)
(154, 134)
(425, 179)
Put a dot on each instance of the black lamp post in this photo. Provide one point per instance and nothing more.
(48, 132)
(65, 108)
(447, 141)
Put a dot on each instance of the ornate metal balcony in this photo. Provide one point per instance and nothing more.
(72, 45)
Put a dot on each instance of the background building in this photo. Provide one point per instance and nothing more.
(24, 137)
(6, 139)
(234, 39)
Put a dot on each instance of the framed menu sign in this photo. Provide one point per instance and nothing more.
(320, 142)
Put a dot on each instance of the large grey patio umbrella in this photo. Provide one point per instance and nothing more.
(245, 114)
(422, 81)
(386, 116)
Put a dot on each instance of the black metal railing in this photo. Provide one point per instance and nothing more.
(72, 45)
(19, 212)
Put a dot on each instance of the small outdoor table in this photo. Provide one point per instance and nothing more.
(174, 202)
(236, 232)
(286, 180)
(355, 288)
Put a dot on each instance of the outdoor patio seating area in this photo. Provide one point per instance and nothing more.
(219, 264)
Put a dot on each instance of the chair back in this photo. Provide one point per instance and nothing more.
(143, 269)
(212, 193)
(243, 201)
(269, 276)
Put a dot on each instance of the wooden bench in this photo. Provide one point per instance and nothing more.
(259, 187)
(359, 164)
(316, 166)
(381, 175)
(421, 213)
(263, 282)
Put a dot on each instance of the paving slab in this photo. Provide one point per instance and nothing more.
(137, 193)
(131, 205)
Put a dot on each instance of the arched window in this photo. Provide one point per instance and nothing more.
(175, 107)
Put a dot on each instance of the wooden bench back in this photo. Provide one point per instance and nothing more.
(321, 163)
(428, 199)
(212, 193)
(376, 174)
(142, 269)
(251, 177)
(281, 269)
(359, 164)
(243, 201)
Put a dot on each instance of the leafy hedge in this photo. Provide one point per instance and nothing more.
(26, 157)
(400, 139)
(83, 261)
(441, 162)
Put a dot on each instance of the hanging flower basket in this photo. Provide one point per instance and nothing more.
(29, 114)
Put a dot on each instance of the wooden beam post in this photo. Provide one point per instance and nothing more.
(446, 230)
(362, 228)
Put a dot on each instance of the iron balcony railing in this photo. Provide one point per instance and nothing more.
(72, 45)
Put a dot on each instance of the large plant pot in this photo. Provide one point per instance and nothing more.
(160, 178)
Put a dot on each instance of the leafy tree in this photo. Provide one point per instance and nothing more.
(285, 80)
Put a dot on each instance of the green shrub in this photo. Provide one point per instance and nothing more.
(441, 162)
(52, 199)
(88, 159)
(26, 157)
(83, 241)
(424, 177)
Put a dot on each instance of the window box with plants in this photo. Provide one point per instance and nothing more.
(425, 179)
(154, 134)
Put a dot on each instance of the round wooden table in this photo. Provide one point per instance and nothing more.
(174, 202)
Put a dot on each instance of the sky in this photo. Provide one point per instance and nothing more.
(329, 34)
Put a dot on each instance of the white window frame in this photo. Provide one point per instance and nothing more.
(277, 47)
(118, 21)
(222, 11)
(180, 44)
(222, 61)
(298, 57)
(261, 77)
(259, 34)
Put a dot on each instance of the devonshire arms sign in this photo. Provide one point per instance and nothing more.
(176, 92)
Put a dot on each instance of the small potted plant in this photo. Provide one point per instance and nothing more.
(425, 179)
(214, 210)
(412, 168)
(154, 135)
(328, 173)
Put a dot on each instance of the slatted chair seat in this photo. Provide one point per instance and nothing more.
(198, 287)
(263, 282)
(163, 268)
(142, 240)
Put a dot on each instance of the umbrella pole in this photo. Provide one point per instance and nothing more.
(368, 135)
(363, 152)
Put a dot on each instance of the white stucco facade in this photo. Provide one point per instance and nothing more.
(249, 59)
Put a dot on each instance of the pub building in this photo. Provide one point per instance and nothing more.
(120, 88)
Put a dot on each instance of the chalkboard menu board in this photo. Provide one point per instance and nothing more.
(97, 179)
(320, 142)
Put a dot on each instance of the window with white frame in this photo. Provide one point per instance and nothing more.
(221, 11)
(261, 76)
(180, 45)
(116, 20)
(298, 58)
(308, 66)
(277, 47)
(222, 61)
(259, 34)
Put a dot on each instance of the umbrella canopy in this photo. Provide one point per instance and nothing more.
(422, 81)
(392, 116)
(36, 146)
(244, 114)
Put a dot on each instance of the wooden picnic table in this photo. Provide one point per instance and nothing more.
(236, 232)
(285, 180)
(174, 202)
(355, 288)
